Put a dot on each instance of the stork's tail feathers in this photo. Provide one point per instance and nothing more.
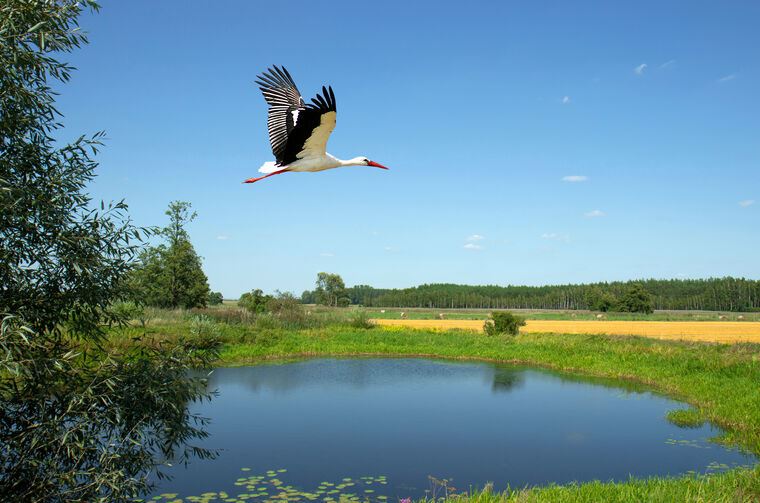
(269, 167)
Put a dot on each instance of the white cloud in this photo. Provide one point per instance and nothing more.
(475, 237)
(727, 78)
(668, 64)
(555, 237)
(565, 100)
(326, 254)
(222, 237)
(594, 214)
(639, 70)
(746, 203)
(472, 246)
(574, 178)
(389, 248)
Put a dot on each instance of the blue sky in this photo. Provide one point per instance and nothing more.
(529, 142)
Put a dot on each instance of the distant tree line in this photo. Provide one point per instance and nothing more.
(713, 294)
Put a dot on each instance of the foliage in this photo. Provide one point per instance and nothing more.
(78, 421)
(714, 294)
(635, 300)
(330, 289)
(215, 298)
(503, 322)
(254, 301)
(287, 310)
(204, 330)
(170, 274)
(685, 418)
(126, 311)
(361, 319)
(598, 299)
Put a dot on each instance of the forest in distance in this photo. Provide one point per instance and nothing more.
(712, 294)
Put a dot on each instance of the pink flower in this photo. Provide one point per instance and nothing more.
(405, 500)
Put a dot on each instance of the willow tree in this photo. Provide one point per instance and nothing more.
(79, 420)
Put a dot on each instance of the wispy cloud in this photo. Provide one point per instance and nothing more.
(668, 64)
(222, 237)
(565, 100)
(472, 246)
(639, 70)
(553, 236)
(746, 203)
(727, 78)
(326, 254)
(594, 214)
(574, 178)
(475, 237)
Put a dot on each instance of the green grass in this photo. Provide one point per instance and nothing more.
(721, 382)
(734, 486)
(685, 418)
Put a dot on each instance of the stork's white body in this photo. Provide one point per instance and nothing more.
(313, 164)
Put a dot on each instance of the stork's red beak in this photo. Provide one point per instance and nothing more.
(373, 163)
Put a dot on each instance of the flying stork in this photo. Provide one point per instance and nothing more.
(299, 131)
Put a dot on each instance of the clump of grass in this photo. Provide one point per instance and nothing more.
(227, 315)
(685, 418)
(360, 319)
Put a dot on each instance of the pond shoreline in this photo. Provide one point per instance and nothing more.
(720, 380)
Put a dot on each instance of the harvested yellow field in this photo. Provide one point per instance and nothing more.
(705, 331)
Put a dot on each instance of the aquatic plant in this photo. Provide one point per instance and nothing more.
(685, 418)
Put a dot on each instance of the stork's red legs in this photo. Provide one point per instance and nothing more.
(251, 180)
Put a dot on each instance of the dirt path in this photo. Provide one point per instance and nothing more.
(706, 331)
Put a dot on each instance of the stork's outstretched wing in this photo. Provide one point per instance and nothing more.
(296, 130)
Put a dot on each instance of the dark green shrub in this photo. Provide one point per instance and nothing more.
(636, 300)
(254, 301)
(215, 298)
(503, 322)
(360, 319)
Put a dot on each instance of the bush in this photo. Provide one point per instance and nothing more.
(636, 300)
(360, 319)
(503, 322)
(215, 298)
(254, 301)
(288, 310)
(204, 331)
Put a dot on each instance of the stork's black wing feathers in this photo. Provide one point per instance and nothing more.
(290, 121)
(284, 100)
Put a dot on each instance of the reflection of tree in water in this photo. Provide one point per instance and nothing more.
(506, 379)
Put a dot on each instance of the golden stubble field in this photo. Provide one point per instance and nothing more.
(705, 331)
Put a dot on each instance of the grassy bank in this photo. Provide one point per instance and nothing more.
(722, 382)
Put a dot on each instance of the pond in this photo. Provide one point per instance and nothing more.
(379, 428)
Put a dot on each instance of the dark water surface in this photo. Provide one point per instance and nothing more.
(402, 420)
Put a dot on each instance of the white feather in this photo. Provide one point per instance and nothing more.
(269, 167)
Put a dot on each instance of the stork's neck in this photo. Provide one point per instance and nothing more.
(355, 161)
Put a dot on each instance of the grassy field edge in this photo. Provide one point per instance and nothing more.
(721, 381)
